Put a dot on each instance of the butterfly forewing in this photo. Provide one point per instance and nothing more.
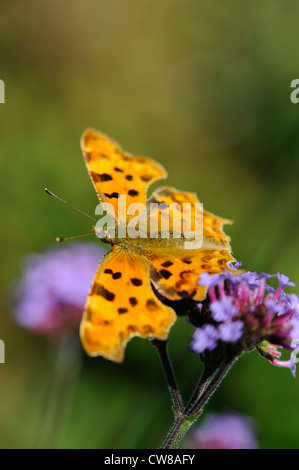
(116, 173)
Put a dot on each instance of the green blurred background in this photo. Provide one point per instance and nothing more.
(201, 86)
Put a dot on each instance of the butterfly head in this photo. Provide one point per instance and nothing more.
(105, 235)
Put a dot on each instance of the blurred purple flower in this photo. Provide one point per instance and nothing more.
(224, 309)
(246, 312)
(231, 331)
(53, 288)
(224, 431)
(205, 338)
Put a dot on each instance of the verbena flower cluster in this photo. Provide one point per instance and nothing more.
(243, 312)
(224, 431)
(53, 288)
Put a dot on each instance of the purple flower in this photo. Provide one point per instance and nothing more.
(235, 265)
(223, 309)
(246, 312)
(295, 328)
(231, 331)
(284, 281)
(54, 286)
(289, 364)
(224, 431)
(205, 338)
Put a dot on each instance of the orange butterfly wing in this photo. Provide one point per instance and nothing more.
(115, 172)
(212, 225)
(175, 274)
(121, 304)
(174, 270)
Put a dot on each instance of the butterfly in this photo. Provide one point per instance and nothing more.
(121, 303)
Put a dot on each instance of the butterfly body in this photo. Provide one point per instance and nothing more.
(121, 303)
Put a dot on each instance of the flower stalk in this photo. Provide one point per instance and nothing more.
(210, 379)
(161, 347)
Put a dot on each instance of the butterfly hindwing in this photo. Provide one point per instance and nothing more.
(210, 224)
(121, 304)
(174, 269)
(175, 275)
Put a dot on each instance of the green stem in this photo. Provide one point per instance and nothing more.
(208, 383)
(207, 376)
(161, 347)
(211, 386)
(178, 431)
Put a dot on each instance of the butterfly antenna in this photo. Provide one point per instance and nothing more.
(64, 239)
(71, 205)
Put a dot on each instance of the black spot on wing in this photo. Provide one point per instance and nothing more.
(99, 289)
(166, 264)
(133, 192)
(165, 273)
(105, 177)
(133, 301)
(116, 275)
(122, 310)
(112, 195)
(136, 282)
